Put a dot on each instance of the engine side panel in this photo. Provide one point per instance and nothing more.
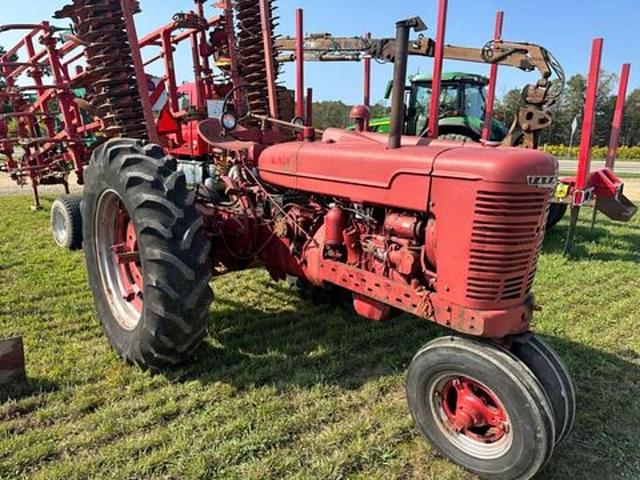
(363, 173)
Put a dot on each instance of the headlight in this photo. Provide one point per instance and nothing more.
(298, 122)
(229, 121)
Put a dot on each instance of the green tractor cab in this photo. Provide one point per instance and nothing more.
(462, 107)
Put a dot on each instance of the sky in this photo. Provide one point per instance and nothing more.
(565, 27)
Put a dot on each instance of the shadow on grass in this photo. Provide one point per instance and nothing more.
(622, 246)
(319, 345)
(603, 443)
(26, 388)
(306, 344)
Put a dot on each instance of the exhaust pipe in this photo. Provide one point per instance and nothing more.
(403, 27)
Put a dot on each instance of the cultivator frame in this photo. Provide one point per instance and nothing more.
(53, 135)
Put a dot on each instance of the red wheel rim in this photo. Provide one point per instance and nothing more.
(127, 257)
(473, 410)
(121, 273)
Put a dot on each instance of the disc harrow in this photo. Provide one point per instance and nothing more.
(251, 52)
(100, 27)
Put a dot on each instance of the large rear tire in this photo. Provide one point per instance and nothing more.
(481, 407)
(147, 254)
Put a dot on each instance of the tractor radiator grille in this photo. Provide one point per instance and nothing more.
(506, 240)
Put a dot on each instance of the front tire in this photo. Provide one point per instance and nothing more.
(549, 369)
(481, 407)
(557, 211)
(147, 254)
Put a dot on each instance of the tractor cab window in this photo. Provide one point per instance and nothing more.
(449, 105)
(474, 100)
(421, 99)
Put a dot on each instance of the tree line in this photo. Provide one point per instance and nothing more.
(568, 107)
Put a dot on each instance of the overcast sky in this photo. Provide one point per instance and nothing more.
(566, 27)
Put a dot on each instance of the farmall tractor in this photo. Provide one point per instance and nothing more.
(444, 231)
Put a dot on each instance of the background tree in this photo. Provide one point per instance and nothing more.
(568, 106)
(631, 125)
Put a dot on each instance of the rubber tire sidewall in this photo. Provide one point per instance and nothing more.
(557, 211)
(70, 208)
(156, 341)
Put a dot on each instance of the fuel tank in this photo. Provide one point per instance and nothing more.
(360, 167)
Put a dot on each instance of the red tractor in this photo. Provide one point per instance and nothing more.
(448, 232)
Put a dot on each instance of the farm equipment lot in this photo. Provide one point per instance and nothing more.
(283, 387)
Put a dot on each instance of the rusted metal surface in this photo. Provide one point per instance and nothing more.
(533, 115)
(12, 365)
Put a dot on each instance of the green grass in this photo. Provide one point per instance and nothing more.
(284, 388)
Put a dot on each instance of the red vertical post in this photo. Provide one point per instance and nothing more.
(618, 115)
(584, 158)
(299, 65)
(132, 34)
(493, 80)
(434, 106)
(367, 84)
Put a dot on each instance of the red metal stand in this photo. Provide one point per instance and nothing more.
(269, 58)
(51, 141)
(128, 12)
(493, 80)
(300, 65)
(581, 195)
(617, 117)
(367, 84)
(434, 105)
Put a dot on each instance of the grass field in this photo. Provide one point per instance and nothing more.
(284, 388)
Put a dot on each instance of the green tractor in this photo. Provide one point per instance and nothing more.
(462, 108)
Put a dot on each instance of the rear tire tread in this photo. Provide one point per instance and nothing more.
(176, 273)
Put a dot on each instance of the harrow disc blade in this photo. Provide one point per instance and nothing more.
(113, 90)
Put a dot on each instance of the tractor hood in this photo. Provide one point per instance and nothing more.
(360, 167)
(474, 161)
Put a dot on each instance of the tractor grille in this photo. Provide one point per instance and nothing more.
(506, 239)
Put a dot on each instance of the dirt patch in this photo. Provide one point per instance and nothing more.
(9, 187)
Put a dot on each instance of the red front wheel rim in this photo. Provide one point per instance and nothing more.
(471, 416)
